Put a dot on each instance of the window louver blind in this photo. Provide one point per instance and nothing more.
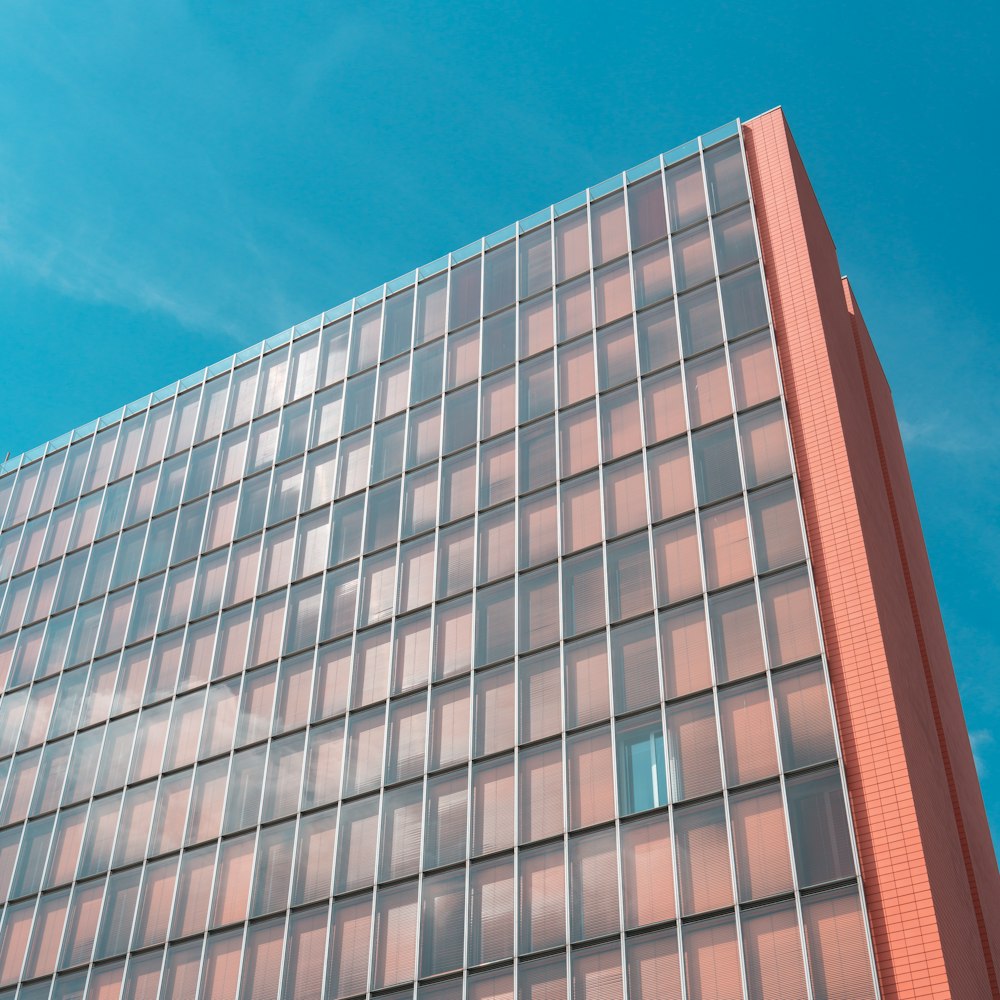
(772, 953)
(653, 966)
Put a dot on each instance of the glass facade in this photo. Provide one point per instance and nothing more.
(459, 643)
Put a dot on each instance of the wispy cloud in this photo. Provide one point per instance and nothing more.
(949, 434)
(159, 212)
(982, 740)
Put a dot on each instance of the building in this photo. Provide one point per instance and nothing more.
(552, 621)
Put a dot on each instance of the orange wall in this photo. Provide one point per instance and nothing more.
(927, 862)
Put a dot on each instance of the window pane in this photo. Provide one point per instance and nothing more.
(765, 446)
(542, 899)
(572, 251)
(356, 845)
(442, 924)
(634, 669)
(630, 584)
(647, 870)
(820, 835)
(621, 431)
(743, 302)
(647, 219)
(657, 329)
(642, 772)
(805, 728)
(578, 439)
(445, 824)
(583, 594)
(491, 911)
(535, 250)
(499, 277)
(541, 792)
(684, 649)
(653, 280)
(772, 952)
(789, 618)
(314, 861)
(735, 243)
(708, 388)
(590, 778)
(839, 962)
(615, 355)
(593, 885)
(536, 326)
(653, 966)
(574, 312)
(703, 858)
(449, 725)
(586, 668)
(727, 548)
(716, 464)
(612, 292)
(539, 686)
(495, 623)
(395, 935)
(678, 566)
(537, 447)
(736, 634)
(726, 179)
(760, 843)
(401, 826)
(685, 194)
(712, 960)
(347, 965)
(493, 807)
(305, 955)
(747, 733)
(777, 533)
(670, 488)
(607, 221)
(407, 733)
(453, 638)
(497, 471)
(701, 325)
(494, 710)
(694, 749)
(576, 371)
(538, 529)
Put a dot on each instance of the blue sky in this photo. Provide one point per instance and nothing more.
(179, 180)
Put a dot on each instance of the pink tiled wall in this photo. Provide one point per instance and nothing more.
(927, 862)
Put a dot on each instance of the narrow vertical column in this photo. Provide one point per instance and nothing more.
(925, 905)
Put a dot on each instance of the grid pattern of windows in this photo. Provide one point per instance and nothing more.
(461, 646)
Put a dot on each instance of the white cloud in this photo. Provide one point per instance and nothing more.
(981, 740)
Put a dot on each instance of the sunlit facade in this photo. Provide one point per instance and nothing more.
(461, 642)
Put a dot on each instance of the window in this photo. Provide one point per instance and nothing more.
(442, 923)
(703, 858)
(542, 899)
(647, 871)
(820, 834)
(805, 729)
(590, 778)
(760, 843)
(642, 773)
(772, 953)
(653, 968)
(694, 749)
(593, 885)
(395, 935)
(635, 672)
(572, 251)
(491, 911)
